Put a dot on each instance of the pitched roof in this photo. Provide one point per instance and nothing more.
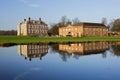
(93, 24)
(90, 24)
(31, 21)
(86, 24)
(36, 22)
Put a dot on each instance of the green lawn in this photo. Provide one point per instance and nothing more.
(28, 39)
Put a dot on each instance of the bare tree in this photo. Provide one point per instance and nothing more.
(110, 25)
(116, 25)
(8, 32)
(76, 21)
(64, 21)
(104, 21)
(53, 30)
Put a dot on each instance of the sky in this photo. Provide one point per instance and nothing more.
(12, 12)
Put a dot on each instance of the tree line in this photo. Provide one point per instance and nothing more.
(114, 25)
(8, 32)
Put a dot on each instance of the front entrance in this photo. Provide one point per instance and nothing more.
(77, 34)
(69, 34)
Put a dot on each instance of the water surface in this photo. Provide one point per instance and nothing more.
(73, 61)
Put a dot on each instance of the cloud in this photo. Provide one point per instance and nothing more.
(28, 74)
(36, 69)
(27, 2)
(24, 1)
(34, 5)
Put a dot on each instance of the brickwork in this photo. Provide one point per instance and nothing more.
(93, 29)
(32, 28)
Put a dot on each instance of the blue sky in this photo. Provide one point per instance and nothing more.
(13, 12)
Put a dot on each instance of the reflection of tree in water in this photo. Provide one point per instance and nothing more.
(64, 55)
(116, 49)
(54, 47)
(104, 54)
(7, 44)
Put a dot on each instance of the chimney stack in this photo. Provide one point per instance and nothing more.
(40, 19)
(24, 20)
(29, 19)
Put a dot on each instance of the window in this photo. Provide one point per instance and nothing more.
(75, 28)
(35, 26)
(29, 26)
(28, 30)
(41, 31)
(31, 31)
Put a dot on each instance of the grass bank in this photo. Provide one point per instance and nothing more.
(29, 39)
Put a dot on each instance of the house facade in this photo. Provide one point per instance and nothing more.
(84, 29)
(32, 28)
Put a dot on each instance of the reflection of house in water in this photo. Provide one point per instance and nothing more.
(33, 51)
(84, 48)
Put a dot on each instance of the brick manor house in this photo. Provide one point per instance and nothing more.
(32, 28)
(84, 29)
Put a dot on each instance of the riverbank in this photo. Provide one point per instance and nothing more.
(29, 39)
